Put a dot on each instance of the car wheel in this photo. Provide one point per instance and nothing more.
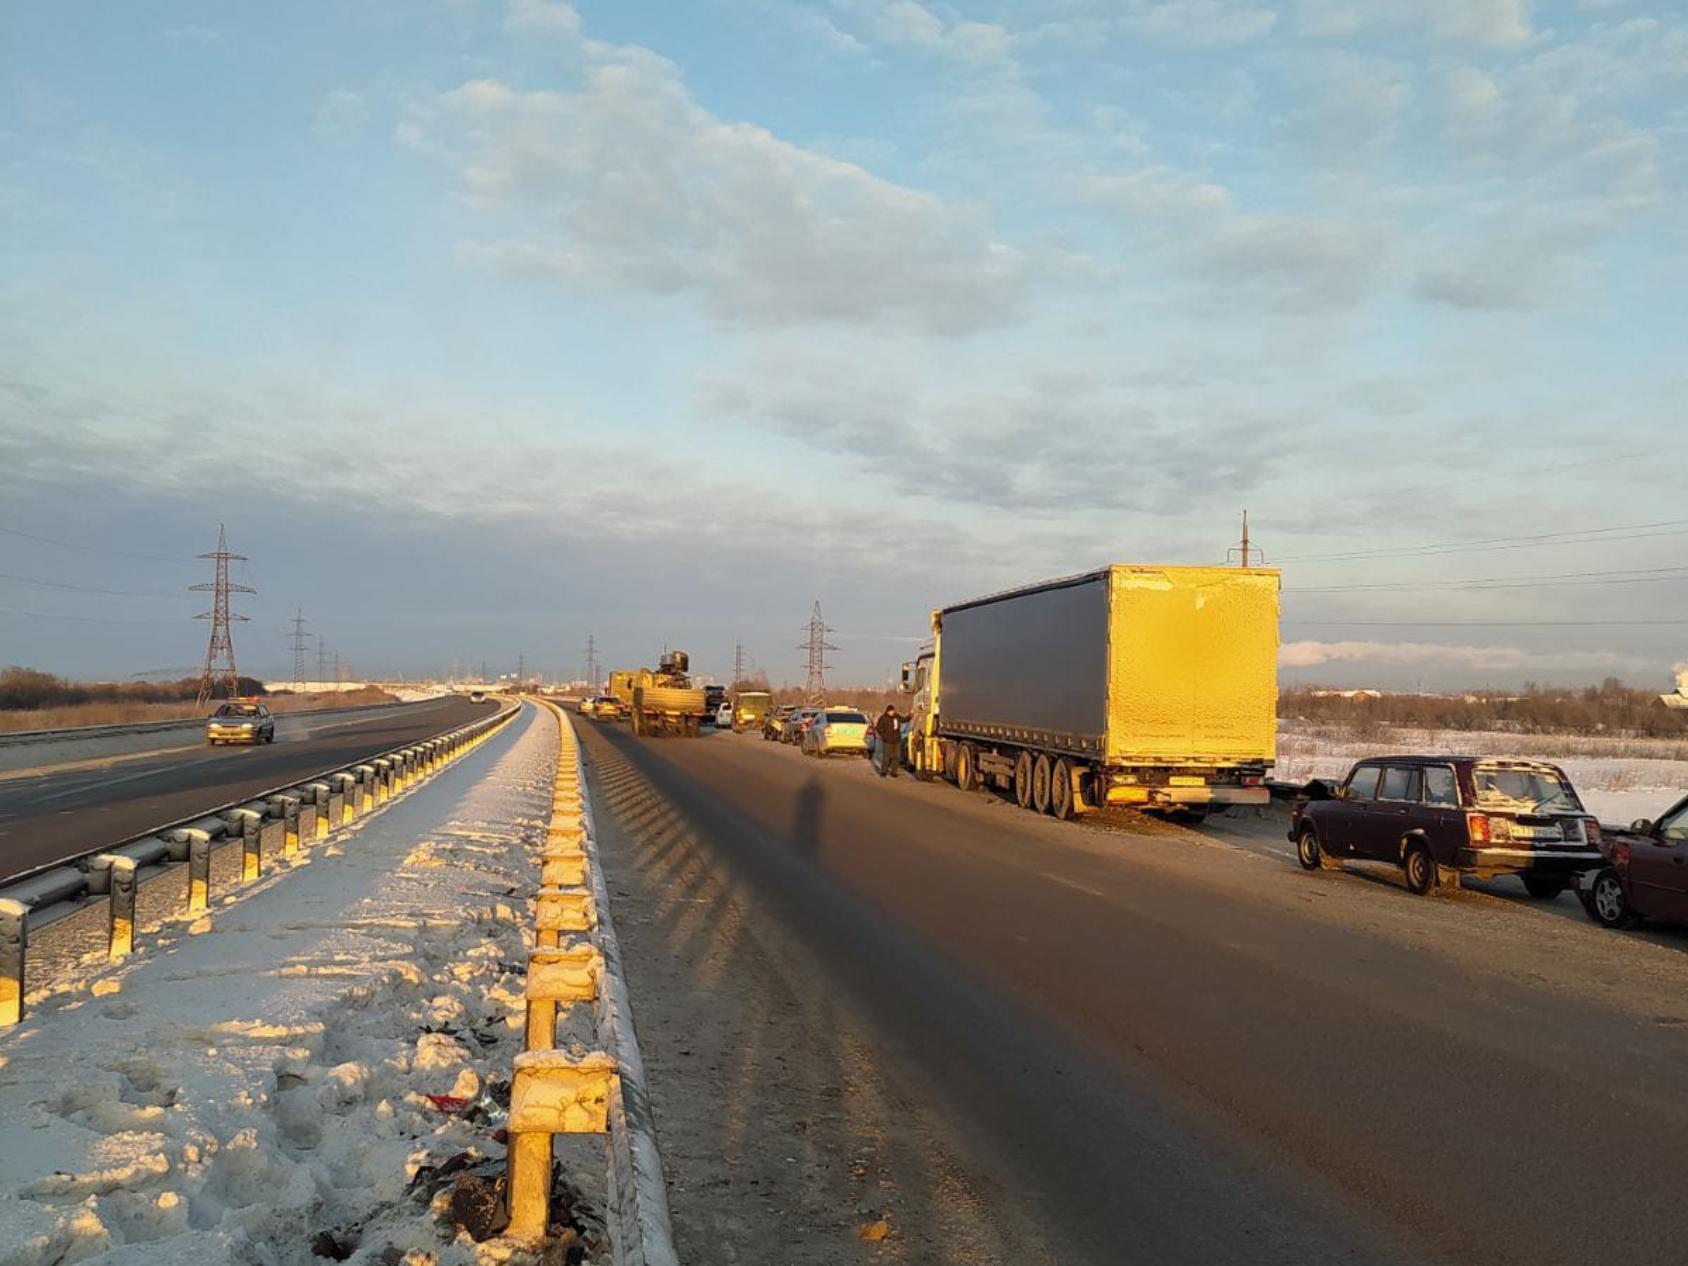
(1040, 783)
(1061, 801)
(1420, 868)
(967, 768)
(269, 737)
(1607, 903)
(1023, 780)
(1544, 887)
(1307, 850)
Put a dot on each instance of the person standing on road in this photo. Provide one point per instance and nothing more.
(888, 732)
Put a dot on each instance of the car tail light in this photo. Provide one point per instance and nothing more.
(1477, 828)
(1591, 831)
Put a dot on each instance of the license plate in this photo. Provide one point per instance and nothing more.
(1186, 780)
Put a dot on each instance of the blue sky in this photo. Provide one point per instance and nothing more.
(489, 325)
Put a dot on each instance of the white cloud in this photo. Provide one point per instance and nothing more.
(1499, 659)
(341, 113)
(544, 17)
(1498, 23)
(1200, 21)
(623, 179)
(907, 24)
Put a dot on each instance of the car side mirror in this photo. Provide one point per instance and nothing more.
(1642, 826)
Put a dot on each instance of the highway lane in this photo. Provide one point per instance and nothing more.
(1159, 1047)
(65, 811)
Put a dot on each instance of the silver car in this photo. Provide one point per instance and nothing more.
(240, 721)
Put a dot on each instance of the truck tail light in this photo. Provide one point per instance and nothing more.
(1252, 780)
(1477, 828)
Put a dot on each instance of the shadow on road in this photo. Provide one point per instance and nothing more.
(806, 818)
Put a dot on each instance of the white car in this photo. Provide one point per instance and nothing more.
(724, 717)
(837, 730)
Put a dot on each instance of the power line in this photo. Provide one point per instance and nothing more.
(92, 549)
(116, 593)
(1487, 624)
(1594, 536)
(1554, 580)
(77, 619)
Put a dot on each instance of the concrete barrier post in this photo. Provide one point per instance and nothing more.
(199, 872)
(251, 847)
(122, 904)
(320, 791)
(14, 950)
(366, 788)
(383, 779)
(290, 816)
(551, 1093)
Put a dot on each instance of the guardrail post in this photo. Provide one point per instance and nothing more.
(320, 791)
(559, 910)
(566, 974)
(366, 787)
(251, 846)
(14, 950)
(563, 869)
(290, 820)
(551, 1093)
(199, 872)
(122, 902)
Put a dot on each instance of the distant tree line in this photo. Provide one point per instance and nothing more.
(1609, 708)
(28, 690)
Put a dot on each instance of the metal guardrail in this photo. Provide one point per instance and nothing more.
(69, 734)
(598, 1092)
(296, 812)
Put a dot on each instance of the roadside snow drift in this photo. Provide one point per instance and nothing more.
(254, 1087)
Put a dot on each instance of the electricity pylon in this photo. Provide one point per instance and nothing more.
(814, 687)
(219, 652)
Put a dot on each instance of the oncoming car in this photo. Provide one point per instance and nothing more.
(477, 696)
(240, 721)
(836, 730)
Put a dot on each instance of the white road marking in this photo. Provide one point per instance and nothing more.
(1073, 883)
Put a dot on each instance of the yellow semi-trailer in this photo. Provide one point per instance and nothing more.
(1139, 685)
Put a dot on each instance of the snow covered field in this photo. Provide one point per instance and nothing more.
(1619, 779)
(256, 1080)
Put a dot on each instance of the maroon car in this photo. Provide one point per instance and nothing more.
(1439, 817)
(1646, 875)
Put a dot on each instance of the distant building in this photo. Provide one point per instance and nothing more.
(1678, 698)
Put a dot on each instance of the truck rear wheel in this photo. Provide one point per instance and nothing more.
(1023, 780)
(967, 768)
(1040, 783)
(1061, 790)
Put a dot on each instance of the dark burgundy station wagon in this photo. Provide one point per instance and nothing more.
(1439, 817)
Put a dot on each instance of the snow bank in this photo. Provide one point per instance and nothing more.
(255, 1080)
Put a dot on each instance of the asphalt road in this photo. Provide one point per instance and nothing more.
(66, 809)
(1104, 1046)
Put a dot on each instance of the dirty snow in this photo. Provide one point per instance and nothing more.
(1619, 779)
(255, 1079)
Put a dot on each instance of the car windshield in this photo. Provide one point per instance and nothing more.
(845, 718)
(238, 710)
(1522, 790)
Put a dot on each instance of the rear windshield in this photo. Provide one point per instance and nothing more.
(845, 718)
(238, 710)
(1522, 790)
